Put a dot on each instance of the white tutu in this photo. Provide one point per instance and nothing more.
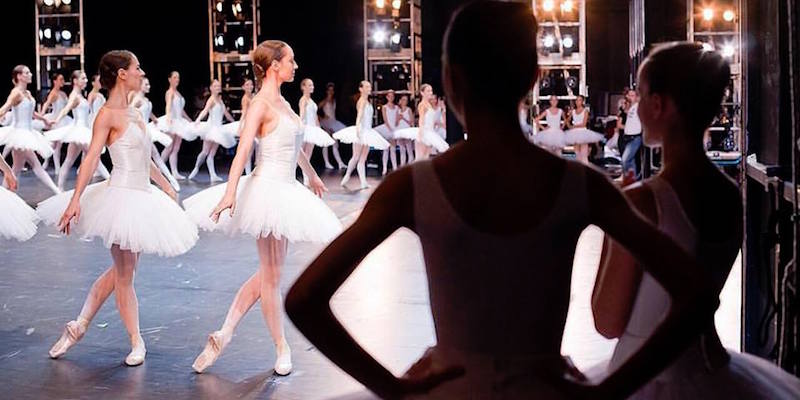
(265, 206)
(317, 136)
(431, 138)
(65, 121)
(7, 119)
(179, 126)
(407, 133)
(331, 125)
(216, 134)
(582, 136)
(157, 136)
(232, 128)
(142, 221)
(17, 219)
(77, 134)
(25, 139)
(383, 129)
(552, 138)
(369, 137)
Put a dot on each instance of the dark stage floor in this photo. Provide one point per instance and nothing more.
(43, 283)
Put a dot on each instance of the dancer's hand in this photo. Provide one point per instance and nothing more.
(224, 204)
(317, 186)
(11, 182)
(73, 211)
(424, 376)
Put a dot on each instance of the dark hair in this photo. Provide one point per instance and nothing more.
(693, 77)
(110, 63)
(95, 76)
(171, 73)
(16, 72)
(498, 40)
(330, 85)
(55, 75)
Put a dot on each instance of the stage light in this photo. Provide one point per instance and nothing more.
(572, 82)
(380, 4)
(66, 38)
(219, 6)
(708, 14)
(549, 41)
(708, 47)
(49, 3)
(219, 43)
(546, 82)
(48, 33)
(47, 36)
(548, 5)
(566, 6)
(728, 15)
(728, 51)
(66, 2)
(236, 7)
(396, 4)
(379, 36)
(568, 42)
(395, 38)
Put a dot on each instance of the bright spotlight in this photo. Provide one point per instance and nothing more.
(240, 41)
(379, 36)
(66, 35)
(548, 5)
(549, 41)
(380, 4)
(49, 3)
(728, 15)
(566, 6)
(568, 42)
(48, 33)
(708, 47)
(395, 38)
(728, 51)
(708, 14)
(219, 6)
(66, 2)
(396, 4)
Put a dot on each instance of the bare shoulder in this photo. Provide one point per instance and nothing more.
(394, 197)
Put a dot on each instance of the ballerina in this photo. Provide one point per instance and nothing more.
(314, 135)
(426, 139)
(17, 220)
(331, 125)
(176, 123)
(212, 132)
(235, 128)
(79, 134)
(361, 136)
(579, 136)
(681, 87)
(269, 204)
(139, 101)
(486, 347)
(389, 112)
(405, 119)
(56, 99)
(551, 138)
(20, 138)
(129, 214)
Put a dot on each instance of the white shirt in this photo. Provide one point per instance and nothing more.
(633, 126)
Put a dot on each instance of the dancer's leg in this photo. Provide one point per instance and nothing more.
(362, 166)
(200, 158)
(272, 253)
(128, 305)
(212, 171)
(40, 173)
(72, 154)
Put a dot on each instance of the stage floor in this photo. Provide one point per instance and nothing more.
(44, 281)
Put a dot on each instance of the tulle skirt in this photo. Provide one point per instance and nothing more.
(369, 137)
(157, 136)
(331, 125)
(409, 133)
(179, 126)
(17, 220)
(317, 136)
(383, 129)
(139, 220)
(216, 134)
(65, 121)
(25, 139)
(267, 206)
(582, 136)
(434, 139)
(77, 134)
(232, 128)
(552, 138)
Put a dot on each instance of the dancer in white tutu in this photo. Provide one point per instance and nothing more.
(551, 138)
(56, 99)
(440, 124)
(499, 332)
(682, 85)
(212, 132)
(527, 128)
(361, 136)
(23, 141)
(17, 219)
(579, 136)
(331, 125)
(405, 119)
(426, 139)
(139, 101)
(96, 98)
(390, 112)
(129, 214)
(235, 128)
(79, 134)
(176, 123)
(269, 204)
(314, 135)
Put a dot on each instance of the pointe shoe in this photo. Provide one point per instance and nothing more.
(344, 181)
(191, 174)
(215, 178)
(177, 175)
(329, 166)
(342, 166)
(73, 332)
(283, 364)
(136, 356)
(214, 346)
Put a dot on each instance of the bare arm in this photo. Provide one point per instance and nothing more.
(8, 175)
(51, 98)
(302, 106)
(73, 102)
(359, 112)
(13, 99)
(206, 109)
(168, 105)
(227, 114)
